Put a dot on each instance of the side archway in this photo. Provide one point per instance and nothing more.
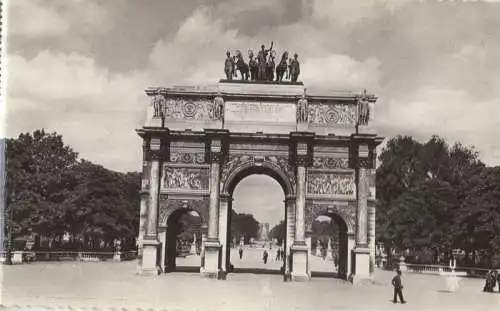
(345, 220)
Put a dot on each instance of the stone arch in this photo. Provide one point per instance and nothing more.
(232, 175)
(170, 206)
(343, 213)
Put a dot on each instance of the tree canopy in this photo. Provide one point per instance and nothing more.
(51, 192)
(433, 196)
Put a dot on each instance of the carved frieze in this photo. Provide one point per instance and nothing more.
(331, 184)
(187, 157)
(283, 163)
(185, 178)
(188, 109)
(169, 206)
(330, 163)
(333, 114)
(346, 212)
(279, 162)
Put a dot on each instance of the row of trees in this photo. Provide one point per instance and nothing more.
(53, 193)
(433, 198)
(322, 231)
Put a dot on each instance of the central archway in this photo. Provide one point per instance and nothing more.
(228, 186)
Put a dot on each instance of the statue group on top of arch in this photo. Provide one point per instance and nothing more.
(263, 67)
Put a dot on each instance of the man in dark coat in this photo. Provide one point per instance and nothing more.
(398, 288)
(498, 280)
(241, 252)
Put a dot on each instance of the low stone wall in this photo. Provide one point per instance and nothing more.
(29, 256)
(439, 269)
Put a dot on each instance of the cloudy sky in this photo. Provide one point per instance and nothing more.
(79, 67)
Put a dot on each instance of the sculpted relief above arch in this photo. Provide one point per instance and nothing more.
(238, 162)
(346, 212)
(169, 206)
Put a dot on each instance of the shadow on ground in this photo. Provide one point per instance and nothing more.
(256, 271)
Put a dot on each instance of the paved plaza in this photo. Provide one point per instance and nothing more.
(115, 285)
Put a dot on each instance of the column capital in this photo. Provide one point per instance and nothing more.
(290, 198)
(216, 145)
(301, 148)
(226, 197)
(211, 134)
(302, 136)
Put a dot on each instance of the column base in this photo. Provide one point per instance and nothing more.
(149, 263)
(212, 264)
(361, 268)
(300, 271)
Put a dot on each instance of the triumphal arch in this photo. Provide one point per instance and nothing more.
(199, 141)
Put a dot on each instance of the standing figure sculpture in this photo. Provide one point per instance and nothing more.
(218, 112)
(229, 66)
(270, 67)
(262, 59)
(241, 66)
(302, 109)
(253, 67)
(282, 67)
(295, 68)
(363, 110)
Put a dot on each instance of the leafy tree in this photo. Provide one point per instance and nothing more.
(278, 232)
(479, 218)
(38, 180)
(420, 192)
(243, 225)
(50, 192)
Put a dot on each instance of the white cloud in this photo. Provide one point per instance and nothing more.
(54, 18)
(452, 114)
(425, 87)
(96, 111)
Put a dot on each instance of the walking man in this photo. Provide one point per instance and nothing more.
(264, 257)
(398, 288)
(498, 280)
(240, 251)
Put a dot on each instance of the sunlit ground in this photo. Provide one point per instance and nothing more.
(108, 284)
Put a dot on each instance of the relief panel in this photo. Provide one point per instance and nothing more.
(332, 114)
(186, 157)
(188, 109)
(185, 178)
(331, 184)
(330, 163)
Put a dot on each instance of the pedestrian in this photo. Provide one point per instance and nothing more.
(489, 282)
(398, 288)
(264, 256)
(278, 254)
(498, 280)
(240, 251)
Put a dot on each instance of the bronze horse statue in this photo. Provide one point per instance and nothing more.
(241, 66)
(282, 67)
